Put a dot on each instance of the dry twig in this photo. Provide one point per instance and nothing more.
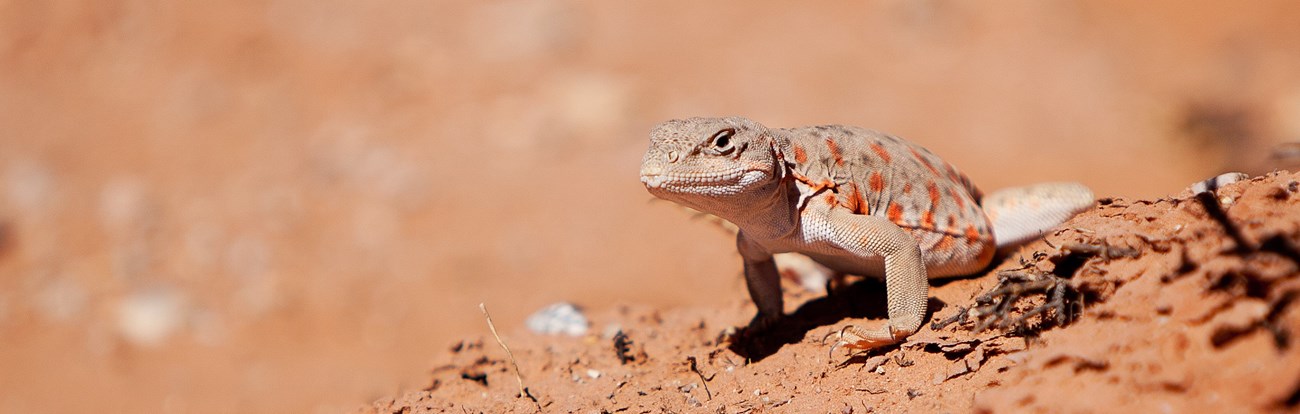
(523, 391)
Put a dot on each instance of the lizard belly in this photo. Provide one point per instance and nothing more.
(944, 254)
(818, 246)
(873, 266)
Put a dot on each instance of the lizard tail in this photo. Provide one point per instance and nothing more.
(1021, 214)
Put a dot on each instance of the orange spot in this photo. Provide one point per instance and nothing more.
(952, 221)
(895, 213)
(800, 156)
(815, 186)
(924, 161)
(934, 193)
(907, 188)
(986, 255)
(831, 199)
(927, 220)
(877, 182)
(972, 236)
(860, 201)
(880, 152)
(826, 184)
(957, 198)
(835, 152)
(945, 242)
(855, 202)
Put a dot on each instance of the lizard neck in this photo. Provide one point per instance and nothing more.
(771, 213)
(771, 217)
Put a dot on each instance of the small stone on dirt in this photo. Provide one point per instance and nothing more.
(559, 318)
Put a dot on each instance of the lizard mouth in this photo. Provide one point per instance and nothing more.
(729, 182)
(654, 181)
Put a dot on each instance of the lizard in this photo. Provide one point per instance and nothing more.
(855, 200)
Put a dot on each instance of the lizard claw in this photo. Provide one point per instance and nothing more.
(839, 336)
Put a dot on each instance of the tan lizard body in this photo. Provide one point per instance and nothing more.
(855, 200)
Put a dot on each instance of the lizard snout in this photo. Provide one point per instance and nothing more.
(652, 168)
(652, 175)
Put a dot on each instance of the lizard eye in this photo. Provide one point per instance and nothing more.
(722, 139)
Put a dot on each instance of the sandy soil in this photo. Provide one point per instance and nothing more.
(1178, 310)
(297, 205)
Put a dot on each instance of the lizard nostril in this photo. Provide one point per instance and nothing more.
(651, 169)
(672, 156)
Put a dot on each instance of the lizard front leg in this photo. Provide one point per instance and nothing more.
(763, 281)
(907, 285)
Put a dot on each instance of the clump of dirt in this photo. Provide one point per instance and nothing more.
(1180, 304)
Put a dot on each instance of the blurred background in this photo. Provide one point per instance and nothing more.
(294, 206)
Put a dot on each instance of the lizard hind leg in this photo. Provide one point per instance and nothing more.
(1021, 214)
(808, 273)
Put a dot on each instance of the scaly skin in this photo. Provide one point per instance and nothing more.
(855, 200)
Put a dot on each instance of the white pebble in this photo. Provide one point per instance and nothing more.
(559, 318)
(148, 318)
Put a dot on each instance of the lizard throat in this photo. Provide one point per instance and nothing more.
(752, 197)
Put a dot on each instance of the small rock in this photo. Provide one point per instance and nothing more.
(975, 359)
(1214, 183)
(148, 318)
(559, 318)
(693, 401)
(874, 362)
(957, 347)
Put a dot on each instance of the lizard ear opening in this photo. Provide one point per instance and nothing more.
(778, 155)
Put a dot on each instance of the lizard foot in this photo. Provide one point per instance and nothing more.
(761, 324)
(858, 339)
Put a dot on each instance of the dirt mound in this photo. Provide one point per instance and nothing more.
(1180, 304)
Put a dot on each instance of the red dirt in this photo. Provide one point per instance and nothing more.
(1182, 319)
(294, 205)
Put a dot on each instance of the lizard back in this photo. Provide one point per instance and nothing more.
(872, 173)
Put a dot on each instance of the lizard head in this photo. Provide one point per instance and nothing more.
(700, 161)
